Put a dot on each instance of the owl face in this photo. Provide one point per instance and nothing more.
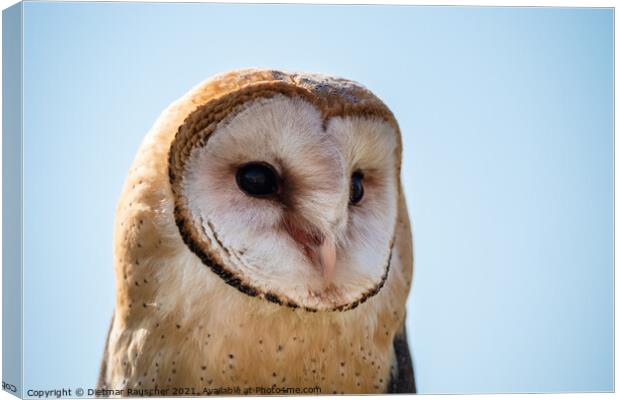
(286, 201)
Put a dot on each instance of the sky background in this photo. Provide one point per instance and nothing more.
(507, 123)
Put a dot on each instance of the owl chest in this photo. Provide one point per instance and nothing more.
(260, 354)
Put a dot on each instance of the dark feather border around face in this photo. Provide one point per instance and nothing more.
(196, 130)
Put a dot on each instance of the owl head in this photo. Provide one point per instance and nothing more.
(285, 185)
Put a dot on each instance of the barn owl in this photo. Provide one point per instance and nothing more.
(262, 243)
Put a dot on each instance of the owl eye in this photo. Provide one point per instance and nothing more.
(357, 187)
(257, 179)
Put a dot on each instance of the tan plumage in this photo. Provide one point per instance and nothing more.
(179, 324)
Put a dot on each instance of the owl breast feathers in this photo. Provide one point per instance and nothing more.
(262, 240)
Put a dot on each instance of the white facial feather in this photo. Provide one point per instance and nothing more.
(317, 163)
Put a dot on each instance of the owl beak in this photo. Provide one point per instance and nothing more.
(318, 247)
(327, 258)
